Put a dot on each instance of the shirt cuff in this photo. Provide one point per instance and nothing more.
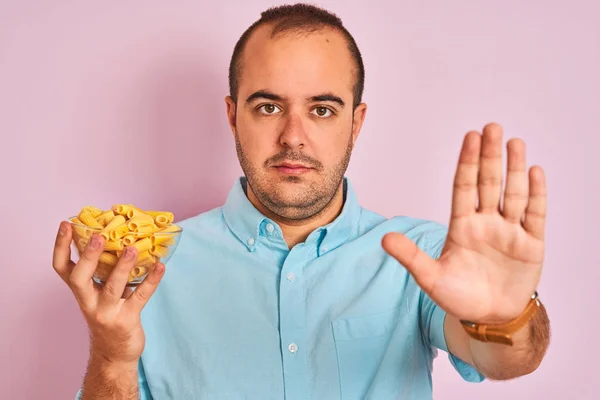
(466, 371)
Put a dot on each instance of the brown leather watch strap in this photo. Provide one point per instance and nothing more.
(502, 333)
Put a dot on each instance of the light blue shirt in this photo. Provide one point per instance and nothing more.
(238, 315)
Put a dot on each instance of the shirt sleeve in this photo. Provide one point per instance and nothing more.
(433, 316)
(142, 385)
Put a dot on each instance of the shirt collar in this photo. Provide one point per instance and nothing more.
(244, 220)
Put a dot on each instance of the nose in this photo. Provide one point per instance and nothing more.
(293, 134)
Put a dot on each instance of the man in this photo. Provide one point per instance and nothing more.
(291, 289)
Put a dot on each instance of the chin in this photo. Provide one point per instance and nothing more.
(293, 179)
(289, 191)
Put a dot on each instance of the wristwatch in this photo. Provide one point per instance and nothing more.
(502, 333)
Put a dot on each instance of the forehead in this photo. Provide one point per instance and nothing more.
(297, 64)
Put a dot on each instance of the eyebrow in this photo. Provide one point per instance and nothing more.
(328, 98)
(265, 94)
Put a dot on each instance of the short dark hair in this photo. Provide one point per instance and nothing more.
(301, 18)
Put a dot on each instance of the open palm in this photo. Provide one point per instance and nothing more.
(492, 259)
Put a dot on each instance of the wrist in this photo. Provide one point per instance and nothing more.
(107, 379)
(503, 332)
(111, 369)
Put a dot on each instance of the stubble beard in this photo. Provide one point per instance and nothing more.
(308, 202)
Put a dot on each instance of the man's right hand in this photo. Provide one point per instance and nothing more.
(117, 337)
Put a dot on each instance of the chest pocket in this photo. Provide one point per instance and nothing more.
(362, 344)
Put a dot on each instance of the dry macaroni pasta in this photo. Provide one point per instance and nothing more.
(150, 232)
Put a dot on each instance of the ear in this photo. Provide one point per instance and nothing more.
(231, 113)
(360, 112)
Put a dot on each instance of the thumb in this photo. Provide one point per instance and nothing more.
(419, 264)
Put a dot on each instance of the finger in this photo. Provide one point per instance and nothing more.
(114, 287)
(61, 258)
(145, 290)
(490, 169)
(516, 191)
(81, 278)
(464, 194)
(535, 214)
(419, 264)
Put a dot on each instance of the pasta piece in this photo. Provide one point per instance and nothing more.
(112, 245)
(118, 232)
(170, 228)
(145, 258)
(108, 258)
(114, 223)
(81, 243)
(123, 209)
(105, 218)
(88, 219)
(128, 240)
(135, 212)
(136, 272)
(164, 240)
(95, 211)
(103, 271)
(159, 251)
(81, 230)
(143, 245)
(161, 221)
(119, 209)
(164, 235)
(145, 231)
(140, 220)
(169, 217)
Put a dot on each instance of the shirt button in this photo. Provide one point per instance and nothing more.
(251, 242)
(293, 348)
(270, 228)
(324, 249)
(291, 276)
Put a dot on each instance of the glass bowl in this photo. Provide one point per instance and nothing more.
(153, 247)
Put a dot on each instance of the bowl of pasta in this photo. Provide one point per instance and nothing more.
(152, 233)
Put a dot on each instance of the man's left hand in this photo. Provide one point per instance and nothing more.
(492, 259)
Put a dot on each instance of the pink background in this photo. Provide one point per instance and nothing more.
(123, 102)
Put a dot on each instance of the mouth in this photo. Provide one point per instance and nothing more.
(293, 169)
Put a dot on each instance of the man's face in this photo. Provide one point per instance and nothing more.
(293, 122)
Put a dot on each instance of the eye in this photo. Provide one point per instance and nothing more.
(322, 112)
(269, 109)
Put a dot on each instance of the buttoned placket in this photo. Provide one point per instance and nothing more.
(292, 319)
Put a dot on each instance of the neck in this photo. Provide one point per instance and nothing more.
(296, 231)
